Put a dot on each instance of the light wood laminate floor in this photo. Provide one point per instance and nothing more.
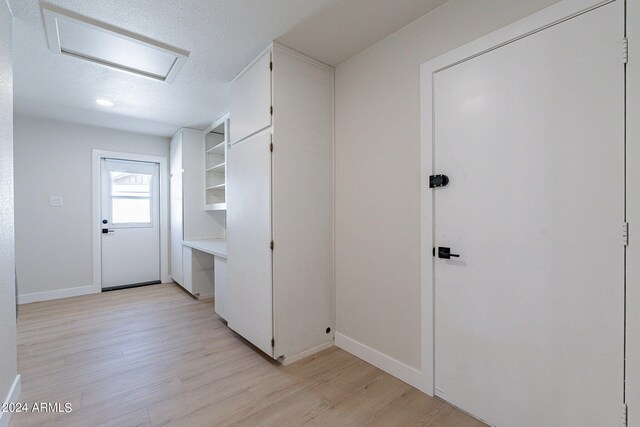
(154, 356)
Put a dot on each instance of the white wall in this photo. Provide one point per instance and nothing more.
(54, 245)
(378, 177)
(8, 368)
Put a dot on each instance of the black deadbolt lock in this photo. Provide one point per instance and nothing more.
(438, 181)
(104, 221)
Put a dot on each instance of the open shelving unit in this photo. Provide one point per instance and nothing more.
(216, 141)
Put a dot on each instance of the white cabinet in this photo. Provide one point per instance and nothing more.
(198, 272)
(221, 289)
(175, 189)
(189, 221)
(187, 271)
(249, 241)
(215, 155)
(280, 205)
(251, 99)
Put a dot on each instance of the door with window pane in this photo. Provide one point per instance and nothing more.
(130, 213)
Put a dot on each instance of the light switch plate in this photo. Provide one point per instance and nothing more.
(55, 201)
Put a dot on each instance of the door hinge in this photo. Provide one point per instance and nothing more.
(271, 65)
(271, 110)
(272, 245)
(271, 147)
(273, 342)
(623, 414)
(625, 233)
(625, 50)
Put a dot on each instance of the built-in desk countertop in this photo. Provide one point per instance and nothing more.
(216, 247)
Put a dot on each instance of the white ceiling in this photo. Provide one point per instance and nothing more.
(222, 36)
(348, 27)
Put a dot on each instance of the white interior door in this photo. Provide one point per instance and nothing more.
(130, 223)
(529, 319)
(249, 260)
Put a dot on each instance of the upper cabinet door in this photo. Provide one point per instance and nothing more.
(251, 99)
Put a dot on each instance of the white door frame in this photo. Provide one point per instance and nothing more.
(632, 390)
(545, 18)
(97, 156)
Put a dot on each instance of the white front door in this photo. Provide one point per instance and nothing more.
(130, 212)
(529, 319)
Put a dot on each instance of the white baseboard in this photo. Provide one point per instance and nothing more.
(12, 397)
(400, 370)
(289, 360)
(57, 294)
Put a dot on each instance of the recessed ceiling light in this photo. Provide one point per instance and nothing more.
(103, 44)
(104, 102)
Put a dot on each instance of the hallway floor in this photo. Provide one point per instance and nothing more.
(154, 356)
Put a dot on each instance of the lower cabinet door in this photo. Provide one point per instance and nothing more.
(220, 283)
(187, 272)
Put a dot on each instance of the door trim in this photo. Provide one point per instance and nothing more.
(97, 156)
(545, 18)
(632, 368)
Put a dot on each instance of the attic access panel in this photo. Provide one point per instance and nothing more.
(103, 44)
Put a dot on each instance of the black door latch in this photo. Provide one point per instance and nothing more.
(438, 181)
(445, 253)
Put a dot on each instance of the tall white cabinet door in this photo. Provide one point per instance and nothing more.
(529, 318)
(302, 204)
(251, 99)
(176, 208)
(197, 223)
(249, 262)
(175, 154)
(175, 189)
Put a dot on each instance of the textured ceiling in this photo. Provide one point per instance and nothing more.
(348, 27)
(222, 36)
